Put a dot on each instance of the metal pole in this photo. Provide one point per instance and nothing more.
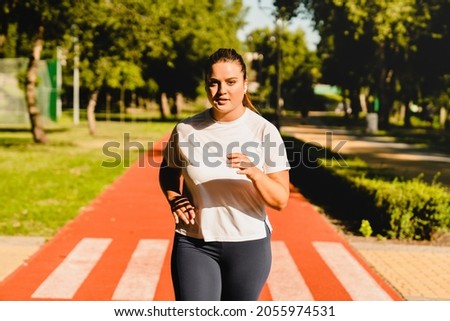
(76, 83)
(278, 66)
(279, 105)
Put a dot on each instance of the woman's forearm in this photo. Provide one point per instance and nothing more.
(180, 205)
(273, 188)
(169, 181)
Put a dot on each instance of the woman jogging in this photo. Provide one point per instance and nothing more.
(221, 168)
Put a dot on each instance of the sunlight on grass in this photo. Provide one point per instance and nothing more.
(45, 186)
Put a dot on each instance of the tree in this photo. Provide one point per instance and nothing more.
(384, 35)
(189, 31)
(286, 9)
(298, 63)
(154, 47)
(34, 22)
(430, 60)
(164, 41)
(111, 46)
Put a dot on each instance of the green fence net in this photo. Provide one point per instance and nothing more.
(13, 108)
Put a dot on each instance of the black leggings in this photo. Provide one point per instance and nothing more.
(213, 271)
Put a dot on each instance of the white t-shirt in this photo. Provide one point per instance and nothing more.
(229, 207)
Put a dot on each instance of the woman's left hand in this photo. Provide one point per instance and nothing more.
(273, 187)
(245, 165)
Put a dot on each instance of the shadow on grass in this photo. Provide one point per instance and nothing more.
(437, 139)
(21, 129)
(10, 142)
(128, 119)
(20, 136)
(26, 142)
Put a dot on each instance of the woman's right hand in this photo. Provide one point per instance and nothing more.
(182, 209)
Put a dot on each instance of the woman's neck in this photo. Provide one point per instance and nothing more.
(227, 116)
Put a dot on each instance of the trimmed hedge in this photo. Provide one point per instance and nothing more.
(410, 209)
(352, 192)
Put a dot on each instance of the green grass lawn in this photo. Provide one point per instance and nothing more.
(44, 186)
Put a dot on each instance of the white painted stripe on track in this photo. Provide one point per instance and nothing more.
(141, 276)
(354, 278)
(285, 280)
(66, 279)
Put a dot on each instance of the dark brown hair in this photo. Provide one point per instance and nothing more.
(229, 55)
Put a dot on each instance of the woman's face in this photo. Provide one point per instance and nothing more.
(226, 88)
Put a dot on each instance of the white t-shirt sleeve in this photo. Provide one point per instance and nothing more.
(275, 155)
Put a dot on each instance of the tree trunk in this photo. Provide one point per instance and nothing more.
(108, 107)
(164, 107)
(37, 126)
(179, 103)
(447, 122)
(355, 104)
(122, 104)
(385, 101)
(363, 102)
(91, 112)
(407, 119)
(345, 99)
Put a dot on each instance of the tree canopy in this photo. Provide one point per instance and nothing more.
(394, 48)
(397, 50)
(156, 46)
(299, 66)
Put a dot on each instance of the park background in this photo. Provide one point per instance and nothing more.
(90, 73)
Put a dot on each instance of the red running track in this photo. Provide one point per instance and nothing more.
(118, 248)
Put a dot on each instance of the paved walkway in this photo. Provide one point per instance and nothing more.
(381, 152)
(15, 250)
(418, 272)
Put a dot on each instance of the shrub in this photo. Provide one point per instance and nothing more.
(352, 192)
(412, 208)
(365, 229)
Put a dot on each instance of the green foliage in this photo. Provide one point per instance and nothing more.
(287, 9)
(386, 46)
(126, 44)
(415, 209)
(299, 66)
(400, 209)
(189, 31)
(365, 229)
(21, 21)
(350, 191)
